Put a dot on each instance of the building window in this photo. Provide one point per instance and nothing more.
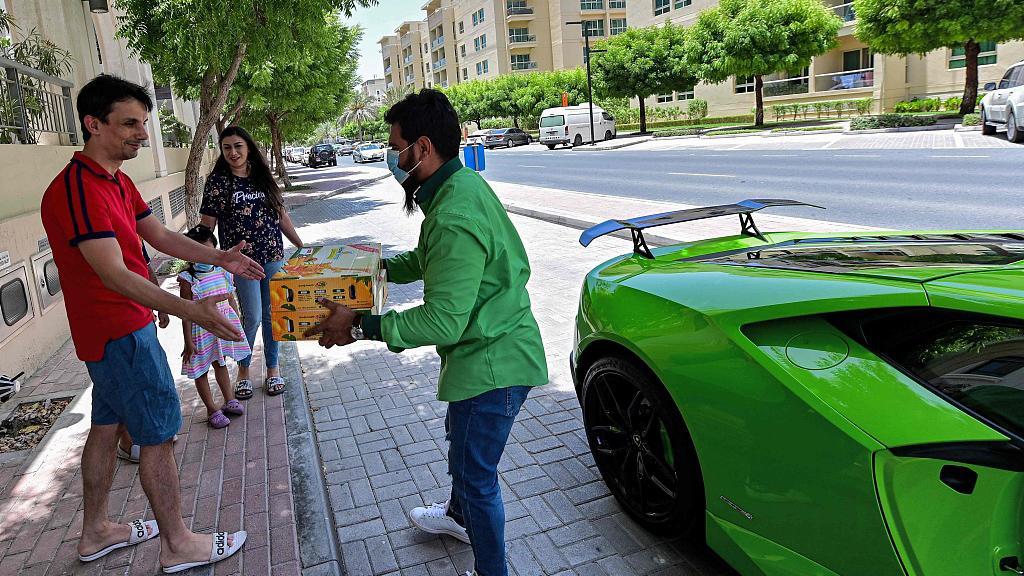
(462, 27)
(483, 41)
(744, 85)
(478, 17)
(479, 68)
(662, 98)
(958, 59)
(684, 95)
(591, 4)
(465, 74)
(518, 34)
(618, 25)
(662, 6)
(857, 60)
(521, 60)
(485, 66)
(426, 48)
(462, 49)
(476, 44)
(683, 3)
(594, 27)
(616, 3)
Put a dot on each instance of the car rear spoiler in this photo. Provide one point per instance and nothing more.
(636, 226)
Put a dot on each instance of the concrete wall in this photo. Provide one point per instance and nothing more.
(27, 171)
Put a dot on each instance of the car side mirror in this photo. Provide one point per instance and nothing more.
(989, 86)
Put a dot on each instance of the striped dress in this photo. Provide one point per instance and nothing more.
(209, 347)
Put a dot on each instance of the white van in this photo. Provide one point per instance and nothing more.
(571, 125)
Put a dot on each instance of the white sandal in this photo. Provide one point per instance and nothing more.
(221, 551)
(132, 456)
(140, 533)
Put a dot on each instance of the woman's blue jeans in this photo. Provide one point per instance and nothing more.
(254, 300)
(478, 429)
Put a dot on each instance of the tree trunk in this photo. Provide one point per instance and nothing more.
(759, 101)
(643, 115)
(275, 138)
(222, 123)
(361, 138)
(970, 101)
(213, 94)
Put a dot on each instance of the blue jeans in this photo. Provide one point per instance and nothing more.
(133, 385)
(477, 430)
(254, 300)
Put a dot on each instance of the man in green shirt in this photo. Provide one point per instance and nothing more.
(475, 310)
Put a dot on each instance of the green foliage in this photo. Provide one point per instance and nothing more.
(697, 109)
(518, 97)
(757, 38)
(953, 104)
(741, 119)
(641, 62)
(175, 133)
(920, 26)
(360, 110)
(821, 109)
(972, 120)
(678, 132)
(890, 121)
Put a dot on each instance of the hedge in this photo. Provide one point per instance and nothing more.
(741, 119)
(890, 121)
(860, 105)
(972, 120)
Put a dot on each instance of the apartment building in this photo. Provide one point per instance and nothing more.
(375, 89)
(391, 52)
(848, 71)
(413, 56)
(444, 64)
(41, 140)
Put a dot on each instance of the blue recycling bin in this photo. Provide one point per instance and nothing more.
(474, 154)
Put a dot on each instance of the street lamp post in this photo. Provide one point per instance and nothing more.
(586, 56)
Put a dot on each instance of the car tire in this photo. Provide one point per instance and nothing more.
(510, 143)
(551, 146)
(1013, 132)
(578, 141)
(614, 394)
(608, 135)
(986, 128)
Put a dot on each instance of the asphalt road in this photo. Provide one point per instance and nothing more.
(903, 189)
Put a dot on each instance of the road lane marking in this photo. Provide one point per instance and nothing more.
(956, 156)
(530, 166)
(701, 174)
(856, 155)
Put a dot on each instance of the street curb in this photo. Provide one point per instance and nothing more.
(962, 128)
(570, 222)
(744, 135)
(904, 129)
(314, 521)
(586, 148)
(803, 133)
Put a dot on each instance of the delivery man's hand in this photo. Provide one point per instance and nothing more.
(336, 329)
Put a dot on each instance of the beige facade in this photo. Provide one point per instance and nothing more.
(443, 58)
(41, 320)
(374, 89)
(391, 52)
(413, 53)
(849, 71)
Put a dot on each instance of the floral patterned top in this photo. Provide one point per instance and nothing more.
(242, 213)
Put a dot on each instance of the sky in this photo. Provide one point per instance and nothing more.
(379, 21)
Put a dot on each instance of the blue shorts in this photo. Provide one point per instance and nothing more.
(133, 385)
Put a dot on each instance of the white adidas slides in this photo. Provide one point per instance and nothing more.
(141, 531)
(221, 551)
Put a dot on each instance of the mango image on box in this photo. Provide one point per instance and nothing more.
(346, 274)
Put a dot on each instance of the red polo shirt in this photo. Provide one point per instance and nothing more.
(84, 202)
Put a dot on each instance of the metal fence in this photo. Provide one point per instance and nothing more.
(33, 103)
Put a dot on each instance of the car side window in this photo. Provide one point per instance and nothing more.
(1018, 77)
(1006, 81)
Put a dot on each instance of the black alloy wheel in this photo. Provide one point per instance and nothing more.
(641, 446)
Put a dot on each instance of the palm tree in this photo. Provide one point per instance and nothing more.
(360, 109)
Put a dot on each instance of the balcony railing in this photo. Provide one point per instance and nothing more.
(522, 39)
(33, 103)
(408, 59)
(530, 65)
(440, 63)
(387, 70)
(410, 78)
(845, 12)
(849, 80)
(787, 86)
(518, 11)
(439, 41)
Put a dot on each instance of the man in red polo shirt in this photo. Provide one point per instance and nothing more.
(94, 216)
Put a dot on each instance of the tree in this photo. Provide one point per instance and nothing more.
(745, 38)
(360, 110)
(294, 95)
(199, 47)
(920, 26)
(643, 61)
(520, 97)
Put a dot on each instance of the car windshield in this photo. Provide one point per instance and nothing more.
(549, 121)
(370, 147)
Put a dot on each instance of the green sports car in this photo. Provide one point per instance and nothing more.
(813, 404)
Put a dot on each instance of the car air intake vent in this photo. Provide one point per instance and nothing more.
(52, 278)
(14, 301)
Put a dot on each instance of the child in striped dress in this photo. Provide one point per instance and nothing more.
(204, 349)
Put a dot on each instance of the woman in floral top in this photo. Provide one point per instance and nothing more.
(243, 198)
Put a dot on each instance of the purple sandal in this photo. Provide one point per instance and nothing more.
(218, 420)
(234, 408)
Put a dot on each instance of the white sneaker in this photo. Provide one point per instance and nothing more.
(434, 519)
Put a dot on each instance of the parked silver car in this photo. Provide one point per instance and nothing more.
(1004, 104)
(368, 153)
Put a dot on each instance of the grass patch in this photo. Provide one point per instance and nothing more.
(736, 131)
(972, 120)
(891, 121)
(806, 128)
(677, 132)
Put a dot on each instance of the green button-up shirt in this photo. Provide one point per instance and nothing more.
(475, 309)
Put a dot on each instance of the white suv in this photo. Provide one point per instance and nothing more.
(1004, 104)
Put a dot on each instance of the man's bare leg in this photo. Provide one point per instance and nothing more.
(98, 460)
(159, 473)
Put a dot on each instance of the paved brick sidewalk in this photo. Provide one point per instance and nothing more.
(231, 479)
(381, 435)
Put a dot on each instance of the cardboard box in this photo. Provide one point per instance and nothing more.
(349, 275)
